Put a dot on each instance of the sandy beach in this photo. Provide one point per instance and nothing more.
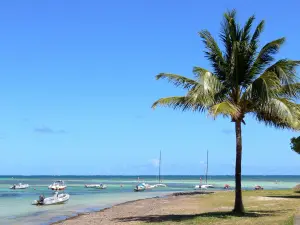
(144, 210)
(263, 207)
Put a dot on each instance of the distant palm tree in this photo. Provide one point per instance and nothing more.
(243, 81)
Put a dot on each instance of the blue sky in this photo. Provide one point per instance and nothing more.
(77, 84)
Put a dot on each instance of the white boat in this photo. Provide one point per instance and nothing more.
(148, 186)
(58, 185)
(98, 186)
(91, 185)
(139, 187)
(159, 175)
(19, 186)
(205, 186)
(55, 199)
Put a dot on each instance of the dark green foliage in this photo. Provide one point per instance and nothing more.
(295, 145)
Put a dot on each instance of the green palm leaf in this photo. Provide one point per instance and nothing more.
(265, 56)
(227, 109)
(285, 70)
(177, 80)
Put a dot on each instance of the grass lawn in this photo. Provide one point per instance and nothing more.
(262, 207)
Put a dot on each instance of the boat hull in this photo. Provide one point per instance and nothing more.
(139, 190)
(61, 199)
(57, 188)
(96, 186)
(204, 186)
(25, 186)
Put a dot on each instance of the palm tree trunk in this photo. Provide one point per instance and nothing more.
(238, 205)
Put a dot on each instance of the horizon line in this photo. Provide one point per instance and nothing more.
(132, 175)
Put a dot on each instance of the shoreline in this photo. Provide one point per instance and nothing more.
(78, 216)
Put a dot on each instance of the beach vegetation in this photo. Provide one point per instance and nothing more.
(295, 144)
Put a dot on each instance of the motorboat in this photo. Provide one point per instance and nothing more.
(98, 186)
(55, 199)
(258, 187)
(58, 185)
(19, 186)
(204, 186)
(139, 187)
(160, 185)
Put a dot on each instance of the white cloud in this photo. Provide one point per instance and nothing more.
(154, 162)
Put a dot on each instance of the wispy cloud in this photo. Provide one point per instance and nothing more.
(48, 130)
(154, 162)
(228, 131)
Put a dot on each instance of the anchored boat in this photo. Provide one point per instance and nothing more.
(55, 199)
(139, 187)
(58, 185)
(19, 186)
(97, 186)
(205, 186)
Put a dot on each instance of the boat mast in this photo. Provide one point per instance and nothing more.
(159, 167)
(206, 166)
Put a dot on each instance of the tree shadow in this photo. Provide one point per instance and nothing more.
(284, 196)
(182, 217)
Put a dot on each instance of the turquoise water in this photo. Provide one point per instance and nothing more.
(16, 208)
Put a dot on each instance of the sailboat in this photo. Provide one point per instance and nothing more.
(159, 176)
(205, 186)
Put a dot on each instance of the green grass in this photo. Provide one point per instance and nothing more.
(290, 221)
(278, 208)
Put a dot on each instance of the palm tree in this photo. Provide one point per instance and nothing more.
(244, 80)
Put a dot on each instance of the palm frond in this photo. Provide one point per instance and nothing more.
(285, 70)
(209, 81)
(233, 28)
(262, 89)
(290, 90)
(177, 80)
(213, 54)
(200, 72)
(251, 53)
(174, 102)
(247, 28)
(265, 56)
(225, 108)
(256, 34)
(279, 112)
(184, 103)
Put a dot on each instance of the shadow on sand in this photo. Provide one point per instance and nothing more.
(178, 218)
